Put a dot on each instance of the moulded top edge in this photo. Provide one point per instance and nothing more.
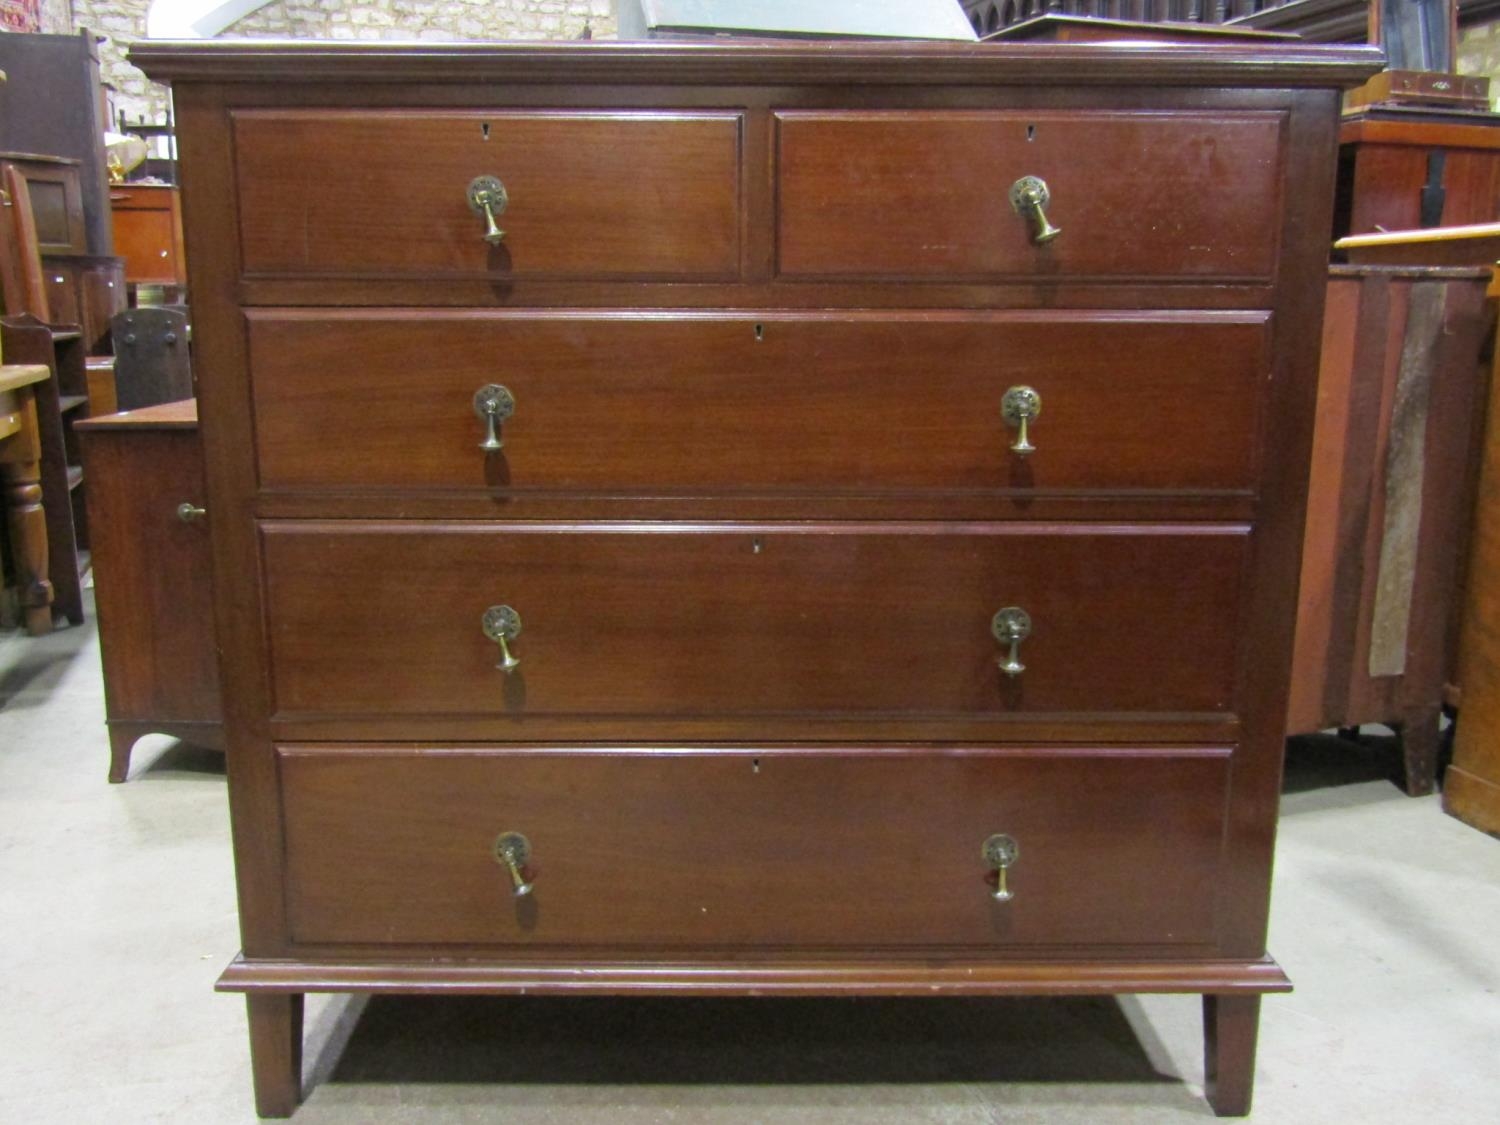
(902, 62)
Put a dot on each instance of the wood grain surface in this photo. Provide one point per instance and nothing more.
(746, 403)
(762, 848)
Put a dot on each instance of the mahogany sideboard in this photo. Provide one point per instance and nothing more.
(153, 589)
(756, 518)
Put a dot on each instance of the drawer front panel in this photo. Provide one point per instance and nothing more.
(666, 621)
(756, 848)
(739, 404)
(589, 195)
(926, 195)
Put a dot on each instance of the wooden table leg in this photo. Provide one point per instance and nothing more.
(276, 1051)
(1230, 1025)
(25, 517)
(1421, 739)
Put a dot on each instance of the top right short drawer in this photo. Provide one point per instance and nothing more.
(926, 195)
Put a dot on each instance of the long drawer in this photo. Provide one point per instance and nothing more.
(670, 620)
(926, 195)
(766, 848)
(619, 194)
(745, 403)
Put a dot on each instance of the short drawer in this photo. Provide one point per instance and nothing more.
(664, 621)
(765, 848)
(588, 195)
(848, 402)
(925, 195)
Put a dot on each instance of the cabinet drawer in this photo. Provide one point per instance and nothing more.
(589, 195)
(669, 621)
(766, 848)
(926, 195)
(731, 403)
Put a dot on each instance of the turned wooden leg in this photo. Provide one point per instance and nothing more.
(1230, 1024)
(1420, 742)
(276, 1051)
(121, 741)
(27, 522)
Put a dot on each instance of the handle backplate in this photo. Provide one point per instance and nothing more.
(493, 404)
(1028, 197)
(487, 196)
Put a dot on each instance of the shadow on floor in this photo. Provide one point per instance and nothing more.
(1322, 761)
(712, 1041)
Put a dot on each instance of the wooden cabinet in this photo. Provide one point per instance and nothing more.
(761, 487)
(152, 586)
(85, 290)
(148, 233)
(56, 200)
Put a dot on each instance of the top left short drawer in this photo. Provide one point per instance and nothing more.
(588, 195)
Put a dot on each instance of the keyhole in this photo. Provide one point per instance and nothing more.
(484, 130)
(757, 545)
(1031, 132)
(760, 332)
(755, 765)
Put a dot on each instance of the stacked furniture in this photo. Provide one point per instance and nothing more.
(774, 519)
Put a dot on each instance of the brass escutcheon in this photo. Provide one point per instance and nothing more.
(999, 852)
(493, 404)
(502, 625)
(1011, 626)
(488, 197)
(1028, 196)
(511, 851)
(1020, 406)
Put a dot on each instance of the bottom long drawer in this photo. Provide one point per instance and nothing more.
(768, 848)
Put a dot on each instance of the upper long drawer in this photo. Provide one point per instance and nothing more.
(731, 403)
(926, 195)
(588, 195)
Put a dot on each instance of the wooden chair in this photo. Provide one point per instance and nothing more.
(153, 363)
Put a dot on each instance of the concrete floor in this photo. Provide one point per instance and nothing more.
(117, 913)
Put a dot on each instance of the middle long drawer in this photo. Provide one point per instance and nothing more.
(664, 621)
(721, 403)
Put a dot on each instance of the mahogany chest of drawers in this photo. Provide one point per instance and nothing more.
(756, 519)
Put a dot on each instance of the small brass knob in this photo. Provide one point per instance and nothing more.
(188, 512)
(999, 853)
(1020, 407)
(502, 625)
(1011, 626)
(493, 404)
(488, 197)
(1028, 196)
(511, 851)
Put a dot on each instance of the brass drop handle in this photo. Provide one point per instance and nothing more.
(488, 197)
(493, 404)
(999, 853)
(1011, 626)
(511, 851)
(1020, 406)
(188, 512)
(502, 625)
(1028, 196)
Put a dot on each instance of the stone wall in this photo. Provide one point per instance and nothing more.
(57, 17)
(121, 21)
(438, 20)
(1479, 53)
